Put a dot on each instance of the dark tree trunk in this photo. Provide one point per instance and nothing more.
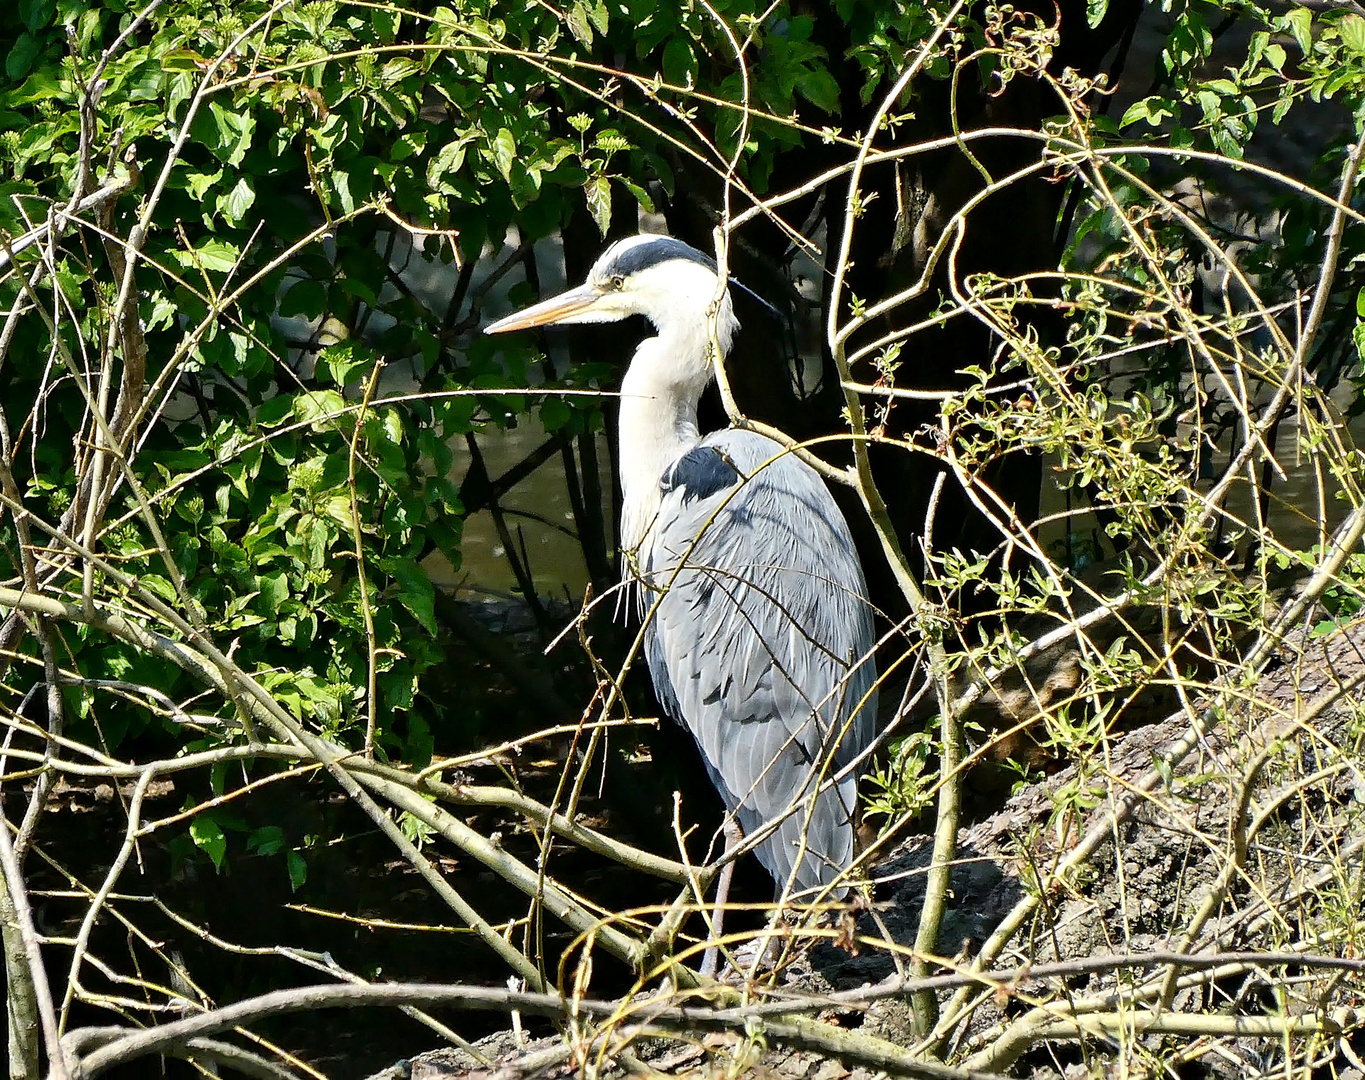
(1010, 233)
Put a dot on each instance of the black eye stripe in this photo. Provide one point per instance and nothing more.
(650, 253)
(659, 249)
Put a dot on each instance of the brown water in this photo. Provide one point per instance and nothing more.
(538, 513)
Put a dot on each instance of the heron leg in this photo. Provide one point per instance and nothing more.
(733, 835)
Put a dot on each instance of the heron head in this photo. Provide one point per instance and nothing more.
(665, 280)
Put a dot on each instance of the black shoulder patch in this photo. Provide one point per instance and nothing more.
(660, 249)
(701, 472)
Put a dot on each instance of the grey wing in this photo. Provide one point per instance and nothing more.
(760, 643)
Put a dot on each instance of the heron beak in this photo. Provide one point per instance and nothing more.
(548, 312)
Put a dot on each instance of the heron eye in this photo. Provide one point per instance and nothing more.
(617, 282)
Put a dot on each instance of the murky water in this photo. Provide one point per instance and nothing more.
(538, 514)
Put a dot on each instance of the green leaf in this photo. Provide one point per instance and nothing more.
(274, 590)
(1299, 22)
(267, 840)
(1152, 109)
(641, 196)
(411, 143)
(597, 14)
(341, 183)
(415, 829)
(161, 314)
(227, 134)
(598, 191)
(320, 406)
(40, 86)
(37, 13)
(662, 171)
(306, 299)
(579, 26)
(344, 362)
(182, 60)
(504, 149)
(211, 254)
(447, 163)
(198, 184)
(680, 62)
(554, 414)
(1352, 29)
(334, 133)
(1094, 12)
(21, 56)
(159, 586)
(275, 410)
(386, 24)
(417, 594)
(298, 870)
(234, 205)
(820, 89)
(208, 837)
(86, 29)
(358, 289)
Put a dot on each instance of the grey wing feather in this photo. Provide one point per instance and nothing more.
(760, 644)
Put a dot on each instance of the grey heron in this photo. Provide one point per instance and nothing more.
(759, 636)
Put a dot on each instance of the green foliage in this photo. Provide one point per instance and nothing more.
(1342, 600)
(275, 170)
(231, 382)
(904, 785)
(208, 836)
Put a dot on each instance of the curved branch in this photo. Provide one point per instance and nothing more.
(796, 1032)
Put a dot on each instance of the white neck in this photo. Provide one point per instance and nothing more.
(665, 381)
(659, 398)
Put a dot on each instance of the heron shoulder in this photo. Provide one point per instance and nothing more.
(735, 458)
(764, 463)
(700, 473)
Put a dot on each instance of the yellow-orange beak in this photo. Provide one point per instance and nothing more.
(566, 306)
